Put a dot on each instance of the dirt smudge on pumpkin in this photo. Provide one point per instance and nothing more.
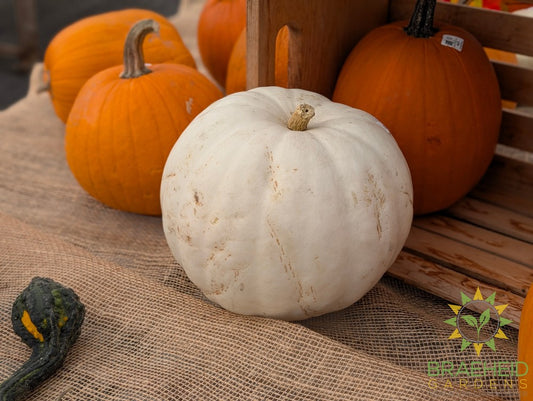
(217, 289)
(433, 140)
(375, 198)
(355, 200)
(188, 105)
(197, 199)
(289, 269)
(272, 172)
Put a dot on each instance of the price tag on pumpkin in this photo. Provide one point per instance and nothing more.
(452, 41)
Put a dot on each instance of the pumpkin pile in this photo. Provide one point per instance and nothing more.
(222, 45)
(95, 43)
(126, 119)
(123, 116)
(278, 202)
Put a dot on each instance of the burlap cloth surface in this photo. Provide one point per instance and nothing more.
(149, 334)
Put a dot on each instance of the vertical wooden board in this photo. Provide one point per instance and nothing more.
(321, 37)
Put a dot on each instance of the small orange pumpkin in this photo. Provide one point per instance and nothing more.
(236, 75)
(125, 121)
(95, 43)
(219, 26)
(525, 346)
(436, 91)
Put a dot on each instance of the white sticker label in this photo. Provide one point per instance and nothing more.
(453, 41)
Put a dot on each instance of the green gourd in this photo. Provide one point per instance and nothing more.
(47, 316)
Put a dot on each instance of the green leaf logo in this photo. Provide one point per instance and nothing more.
(484, 318)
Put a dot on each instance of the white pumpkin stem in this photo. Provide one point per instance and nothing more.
(300, 118)
(133, 49)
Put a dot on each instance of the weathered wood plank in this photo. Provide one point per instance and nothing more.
(448, 284)
(516, 83)
(517, 129)
(478, 237)
(495, 29)
(508, 183)
(494, 218)
(474, 262)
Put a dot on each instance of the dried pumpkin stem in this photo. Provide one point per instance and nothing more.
(421, 23)
(133, 49)
(300, 118)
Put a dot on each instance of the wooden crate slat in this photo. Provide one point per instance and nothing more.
(448, 284)
(511, 202)
(493, 217)
(509, 184)
(485, 266)
(479, 237)
(516, 82)
(495, 29)
(517, 129)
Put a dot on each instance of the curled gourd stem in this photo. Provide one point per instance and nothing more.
(300, 118)
(47, 317)
(133, 48)
(421, 22)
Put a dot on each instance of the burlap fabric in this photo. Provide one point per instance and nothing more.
(149, 334)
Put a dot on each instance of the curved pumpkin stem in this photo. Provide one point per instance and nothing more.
(421, 23)
(300, 118)
(133, 49)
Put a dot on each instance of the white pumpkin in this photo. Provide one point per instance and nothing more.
(276, 222)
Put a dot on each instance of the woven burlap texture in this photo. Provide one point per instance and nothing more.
(149, 334)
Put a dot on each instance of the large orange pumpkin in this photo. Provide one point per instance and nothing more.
(125, 121)
(236, 75)
(436, 91)
(95, 43)
(219, 26)
(525, 347)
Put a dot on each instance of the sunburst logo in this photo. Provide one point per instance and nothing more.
(478, 322)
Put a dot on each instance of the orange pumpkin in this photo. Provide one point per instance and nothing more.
(525, 348)
(125, 121)
(434, 88)
(95, 43)
(236, 75)
(219, 26)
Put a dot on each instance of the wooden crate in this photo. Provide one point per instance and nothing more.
(486, 239)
